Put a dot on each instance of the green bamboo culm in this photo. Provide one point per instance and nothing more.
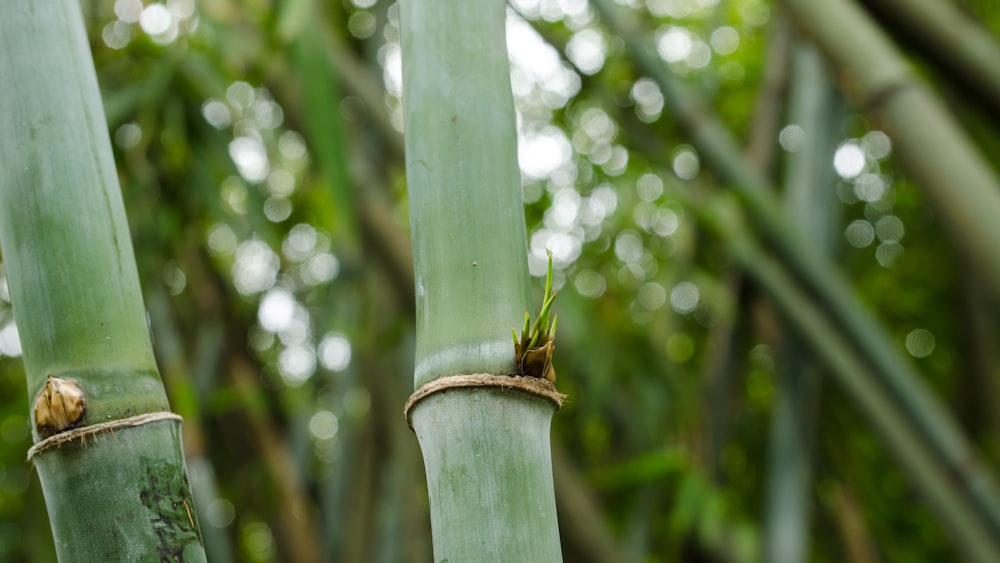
(115, 487)
(486, 448)
(466, 209)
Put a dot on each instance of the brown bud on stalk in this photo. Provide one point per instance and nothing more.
(537, 362)
(58, 406)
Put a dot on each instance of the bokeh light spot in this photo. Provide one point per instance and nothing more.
(725, 40)
(155, 19)
(335, 352)
(297, 364)
(589, 283)
(890, 229)
(791, 138)
(684, 297)
(587, 50)
(323, 425)
(860, 233)
(887, 253)
(674, 44)
(686, 163)
(276, 310)
(10, 342)
(920, 343)
(220, 513)
(680, 348)
(877, 145)
(849, 160)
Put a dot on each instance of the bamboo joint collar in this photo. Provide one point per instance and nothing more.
(93, 430)
(532, 385)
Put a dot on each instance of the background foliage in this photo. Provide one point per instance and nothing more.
(260, 153)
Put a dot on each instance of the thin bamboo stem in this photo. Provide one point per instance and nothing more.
(809, 183)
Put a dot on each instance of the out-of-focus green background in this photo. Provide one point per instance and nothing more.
(259, 148)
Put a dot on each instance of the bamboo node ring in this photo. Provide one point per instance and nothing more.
(531, 385)
(93, 430)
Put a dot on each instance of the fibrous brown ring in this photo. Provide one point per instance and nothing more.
(87, 431)
(533, 385)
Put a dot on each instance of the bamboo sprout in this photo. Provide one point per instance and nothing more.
(115, 488)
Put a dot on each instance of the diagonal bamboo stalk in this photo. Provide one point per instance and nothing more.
(958, 45)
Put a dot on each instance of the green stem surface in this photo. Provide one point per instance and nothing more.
(489, 473)
(72, 273)
(486, 450)
(809, 197)
(467, 216)
(121, 495)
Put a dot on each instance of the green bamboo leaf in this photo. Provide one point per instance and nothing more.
(548, 276)
(527, 326)
(540, 322)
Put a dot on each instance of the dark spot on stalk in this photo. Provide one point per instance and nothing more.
(165, 496)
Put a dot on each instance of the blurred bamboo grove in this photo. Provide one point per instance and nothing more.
(776, 244)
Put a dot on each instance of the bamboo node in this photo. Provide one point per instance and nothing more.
(532, 385)
(93, 430)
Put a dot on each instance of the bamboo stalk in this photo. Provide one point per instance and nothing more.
(583, 522)
(467, 220)
(958, 182)
(111, 495)
(486, 449)
(959, 46)
(808, 192)
(858, 542)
